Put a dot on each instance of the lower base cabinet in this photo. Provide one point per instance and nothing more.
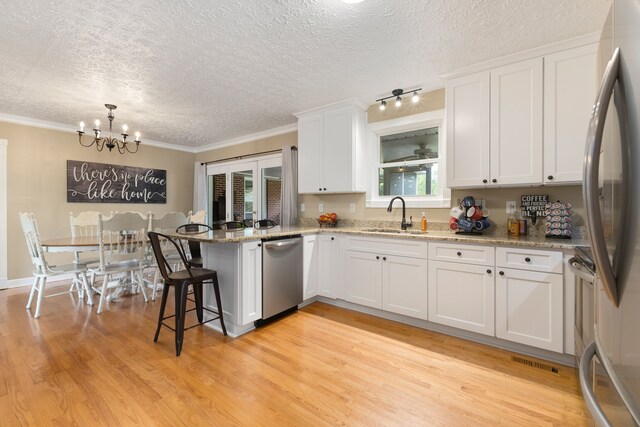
(389, 282)
(462, 296)
(529, 308)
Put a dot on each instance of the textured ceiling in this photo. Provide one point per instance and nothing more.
(198, 72)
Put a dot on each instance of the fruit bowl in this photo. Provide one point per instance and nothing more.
(327, 223)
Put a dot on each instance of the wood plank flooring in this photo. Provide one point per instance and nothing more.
(320, 366)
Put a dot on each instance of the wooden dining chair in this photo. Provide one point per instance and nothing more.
(199, 217)
(124, 255)
(43, 270)
(180, 281)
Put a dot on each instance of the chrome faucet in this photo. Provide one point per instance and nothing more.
(404, 224)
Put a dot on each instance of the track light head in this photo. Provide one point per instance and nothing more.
(398, 102)
(383, 105)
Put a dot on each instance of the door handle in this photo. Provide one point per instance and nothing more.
(589, 396)
(590, 175)
(282, 244)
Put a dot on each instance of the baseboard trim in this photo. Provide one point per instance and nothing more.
(28, 281)
(562, 359)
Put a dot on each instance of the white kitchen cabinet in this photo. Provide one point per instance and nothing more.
(461, 286)
(462, 296)
(331, 150)
(529, 308)
(328, 266)
(570, 84)
(404, 286)
(467, 112)
(387, 274)
(310, 266)
(251, 285)
(494, 127)
(363, 278)
(516, 123)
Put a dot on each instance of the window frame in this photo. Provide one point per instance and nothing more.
(376, 130)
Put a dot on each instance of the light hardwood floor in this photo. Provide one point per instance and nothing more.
(320, 366)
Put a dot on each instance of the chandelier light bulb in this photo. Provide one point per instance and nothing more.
(415, 98)
(125, 128)
(398, 102)
(97, 122)
(383, 105)
(137, 136)
(81, 126)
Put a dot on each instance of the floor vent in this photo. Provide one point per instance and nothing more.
(533, 364)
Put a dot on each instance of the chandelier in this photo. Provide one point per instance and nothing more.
(397, 94)
(109, 141)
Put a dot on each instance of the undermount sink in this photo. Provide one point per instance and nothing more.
(391, 230)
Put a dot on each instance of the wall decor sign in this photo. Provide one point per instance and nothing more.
(534, 203)
(89, 182)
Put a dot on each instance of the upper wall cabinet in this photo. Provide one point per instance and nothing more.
(569, 93)
(494, 127)
(522, 123)
(331, 149)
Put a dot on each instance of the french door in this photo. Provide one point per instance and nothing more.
(245, 191)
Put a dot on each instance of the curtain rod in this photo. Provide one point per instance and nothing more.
(279, 150)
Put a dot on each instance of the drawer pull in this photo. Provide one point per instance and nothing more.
(494, 180)
(527, 259)
(488, 271)
(501, 273)
(377, 257)
(484, 181)
(384, 258)
(459, 254)
(333, 238)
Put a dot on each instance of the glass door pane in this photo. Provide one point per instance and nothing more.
(271, 193)
(217, 197)
(243, 208)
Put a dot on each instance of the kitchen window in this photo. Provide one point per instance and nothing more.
(407, 159)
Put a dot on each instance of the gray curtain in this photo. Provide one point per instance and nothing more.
(199, 187)
(289, 200)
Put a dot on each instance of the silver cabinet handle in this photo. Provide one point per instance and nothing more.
(590, 175)
(589, 396)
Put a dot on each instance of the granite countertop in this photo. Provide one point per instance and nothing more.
(249, 234)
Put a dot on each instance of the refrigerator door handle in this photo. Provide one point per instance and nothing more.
(590, 175)
(589, 396)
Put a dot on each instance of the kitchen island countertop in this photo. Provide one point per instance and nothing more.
(249, 234)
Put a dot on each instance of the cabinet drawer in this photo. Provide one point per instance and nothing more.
(409, 247)
(468, 254)
(529, 259)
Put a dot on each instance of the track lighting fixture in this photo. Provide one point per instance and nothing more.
(397, 94)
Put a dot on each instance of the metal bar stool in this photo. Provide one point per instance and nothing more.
(181, 280)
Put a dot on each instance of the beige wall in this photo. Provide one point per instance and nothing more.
(37, 183)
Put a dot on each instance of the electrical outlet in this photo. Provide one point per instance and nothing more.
(511, 207)
(352, 207)
(302, 207)
(321, 207)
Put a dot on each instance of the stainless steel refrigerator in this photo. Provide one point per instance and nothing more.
(610, 366)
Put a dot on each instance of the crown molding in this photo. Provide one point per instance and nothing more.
(44, 124)
(524, 55)
(293, 127)
(344, 103)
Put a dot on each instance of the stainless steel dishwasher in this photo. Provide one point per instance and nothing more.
(281, 275)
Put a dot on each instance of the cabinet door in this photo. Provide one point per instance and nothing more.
(516, 123)
(328, 266)
(404, 286)
(467, 109)
(339, 137)
(310, 147)
(363, 278)
(529, 307)
(251, 284)
(462, 296)
(310, 267)
(569, 93)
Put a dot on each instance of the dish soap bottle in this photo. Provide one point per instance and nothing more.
(423, 222)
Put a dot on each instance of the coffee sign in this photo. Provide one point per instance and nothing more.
(89, 182)
(534, 205)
